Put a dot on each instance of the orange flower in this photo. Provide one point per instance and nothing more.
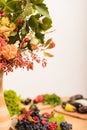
(9, 51)
(34, 47)
(2, 44)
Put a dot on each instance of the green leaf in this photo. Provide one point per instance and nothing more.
(43, 10)
(14, 33)
(29, 46)
(9, 0)
(46, 23)
(13, 39)
(33, 22)
(48, 42)
(36, 1)
(40, 36)
(13, 6)
(28, 10)
(25, 29)
(37, 16)
(2, 3)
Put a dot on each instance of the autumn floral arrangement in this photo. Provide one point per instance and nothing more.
(23, 28)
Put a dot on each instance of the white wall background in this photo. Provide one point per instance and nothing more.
(66, 73)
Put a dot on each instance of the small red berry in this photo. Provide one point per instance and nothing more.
(26, 39)
(20, 20)
(2, 13)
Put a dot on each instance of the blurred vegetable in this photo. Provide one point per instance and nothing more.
(12, 102)
(52, 99)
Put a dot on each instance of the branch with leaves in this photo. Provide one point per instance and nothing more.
(23, 26)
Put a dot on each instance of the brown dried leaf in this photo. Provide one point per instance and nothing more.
(48, 42)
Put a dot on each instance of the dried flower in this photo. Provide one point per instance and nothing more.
(23, 27)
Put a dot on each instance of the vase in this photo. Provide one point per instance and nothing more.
(5, 120)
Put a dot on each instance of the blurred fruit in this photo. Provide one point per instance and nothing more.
(64, 104)
(70, 108)
(82, 101)
(77, 105)
(39, 98)
(66, 126)
(26, 101)
(83, 109)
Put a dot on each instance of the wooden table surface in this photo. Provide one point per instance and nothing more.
(78, 124)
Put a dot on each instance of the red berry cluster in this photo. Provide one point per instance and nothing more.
(52, 126)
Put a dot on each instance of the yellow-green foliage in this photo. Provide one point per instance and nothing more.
(12, 102)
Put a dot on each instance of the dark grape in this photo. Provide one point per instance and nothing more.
(65, 126)
(26, 101)
(33, 120)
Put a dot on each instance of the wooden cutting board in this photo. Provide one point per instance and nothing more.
(59, 109)
(41, 106)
